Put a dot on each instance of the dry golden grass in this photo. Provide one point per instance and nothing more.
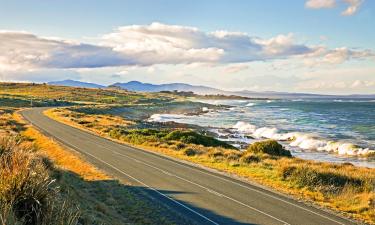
(63, 158)
(355, 198)
(28, 194)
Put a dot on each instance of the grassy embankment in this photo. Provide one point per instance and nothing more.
(344, 188)
(41, 182)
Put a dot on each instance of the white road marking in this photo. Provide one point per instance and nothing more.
(214, 192)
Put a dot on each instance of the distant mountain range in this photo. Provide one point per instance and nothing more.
(146, 87)
(74, 83)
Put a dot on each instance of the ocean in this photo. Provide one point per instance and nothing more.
(330, 130)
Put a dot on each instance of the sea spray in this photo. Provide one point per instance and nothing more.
(302, 140)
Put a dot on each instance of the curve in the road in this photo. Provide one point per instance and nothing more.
(202, 195)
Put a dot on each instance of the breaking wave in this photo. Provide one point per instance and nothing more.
(250, 104)
(165, 117)
(302, 140)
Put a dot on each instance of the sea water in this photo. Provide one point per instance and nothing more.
(333, 130)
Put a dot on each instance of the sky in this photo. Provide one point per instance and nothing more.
(312, 46)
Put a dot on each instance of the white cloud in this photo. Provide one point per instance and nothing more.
(235, 68)
(172, 44)
(21, 50)
(352, 5)
(323, 56)
(352, 8)
(317, 4)
(142, 45)
(149, 45)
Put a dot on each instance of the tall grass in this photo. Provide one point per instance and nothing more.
(28, 195)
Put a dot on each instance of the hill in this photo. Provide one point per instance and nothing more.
(146, 87)
(74, 83)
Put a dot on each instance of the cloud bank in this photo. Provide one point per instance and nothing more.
(147, 45)
(143, 45)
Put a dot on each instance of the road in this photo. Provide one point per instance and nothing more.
(201, 195)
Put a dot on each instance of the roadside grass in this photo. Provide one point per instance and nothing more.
(101, 198)
(43, 183)
(342, 187)
(28, 194)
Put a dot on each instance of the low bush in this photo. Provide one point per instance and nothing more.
(184, 137)
(270, 147)
(190, 152)
(326, 180)
(191, 137)
(180, 146)
(250, 157)
(215, 153)
(232, 155)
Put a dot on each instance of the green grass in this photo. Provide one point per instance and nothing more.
(140, 136)
(270, 147)
(59, 94)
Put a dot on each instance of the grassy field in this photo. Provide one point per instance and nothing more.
(119, 115)
(42, 182)
(58, 95)
(344, 188)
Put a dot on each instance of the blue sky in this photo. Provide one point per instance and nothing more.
(294, 45)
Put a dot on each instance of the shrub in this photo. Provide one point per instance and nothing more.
(191, 137)
(215, 153)
(83, 122)
(270, 147)
(190, 152)
(180, 146)
(250, 157)
(232, 155)
(326, 180)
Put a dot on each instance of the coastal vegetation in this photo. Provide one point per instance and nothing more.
(341, 187)
(120, 115)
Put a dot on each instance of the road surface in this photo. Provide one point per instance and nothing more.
(203, 196)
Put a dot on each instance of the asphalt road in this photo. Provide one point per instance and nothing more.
(203, 196)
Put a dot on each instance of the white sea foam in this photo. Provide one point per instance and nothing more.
(205, 109)
(165, 117)
(302, 140)
(250, 104)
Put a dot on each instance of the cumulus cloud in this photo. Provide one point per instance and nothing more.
(148, 45)
(318, 4)
(161, 43)
(352, 5)
(20, 50)
(324, 56)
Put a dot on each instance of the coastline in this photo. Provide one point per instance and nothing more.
(306, 145)
(255, 171)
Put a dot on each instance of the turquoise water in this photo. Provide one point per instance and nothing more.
(326, 130)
